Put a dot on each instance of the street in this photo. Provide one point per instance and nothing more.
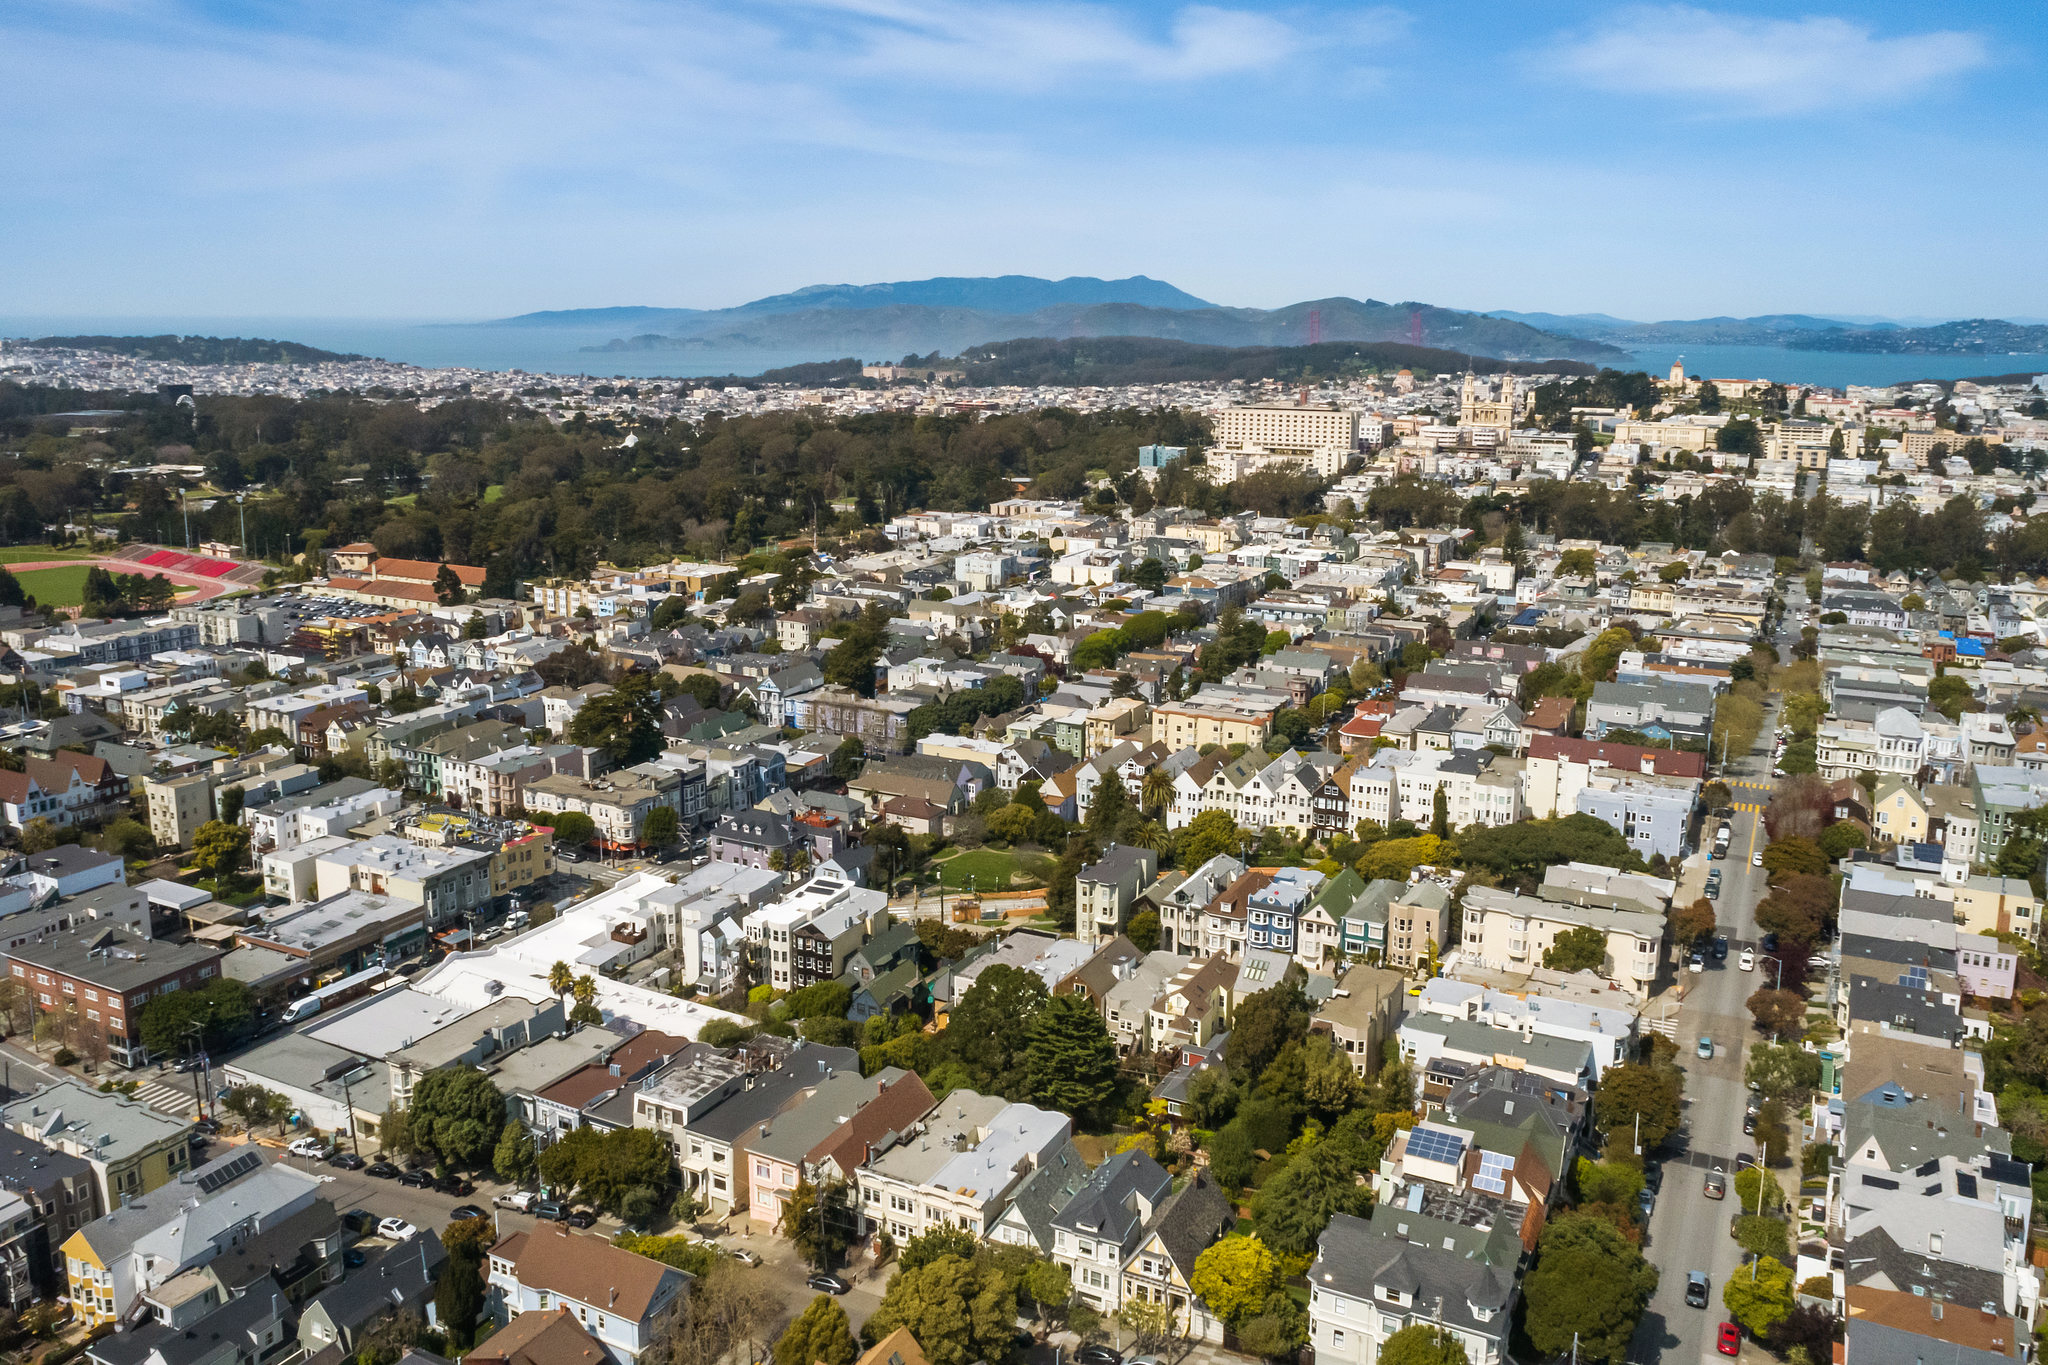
(1689, 1231)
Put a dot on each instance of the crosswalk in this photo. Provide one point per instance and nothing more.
(1752, 806)
(169, 1097)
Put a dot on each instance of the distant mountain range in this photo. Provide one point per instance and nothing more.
(1801, 332)
(952, 316)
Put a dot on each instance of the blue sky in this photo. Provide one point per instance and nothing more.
(429, 159)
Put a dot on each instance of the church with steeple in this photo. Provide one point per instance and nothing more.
(1477, 410)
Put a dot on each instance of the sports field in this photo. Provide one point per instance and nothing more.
(63, 587)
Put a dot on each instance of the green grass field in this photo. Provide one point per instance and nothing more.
(984, 869)
(493, 492)
(35, 554)
(63, 587)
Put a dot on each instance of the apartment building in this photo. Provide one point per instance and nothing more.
(1106, 891)
(1510, 933)
(449, 882)
(961, 1169)
(139, 1247)
(1218, 715)
(101, 979)
(807, 936)
(131, 1147)
(618, 803)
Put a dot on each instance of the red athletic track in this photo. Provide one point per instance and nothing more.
(207, 587)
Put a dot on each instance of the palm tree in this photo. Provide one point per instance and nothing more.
(560, 979)
(585, 989)
(1152, 835)
(1157, 789)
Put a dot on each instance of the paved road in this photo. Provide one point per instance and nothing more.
(1688, 1231)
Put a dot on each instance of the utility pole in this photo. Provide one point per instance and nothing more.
(186, 507)
(242, 501)
(350, 1104)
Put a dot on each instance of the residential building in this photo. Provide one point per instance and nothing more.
(616, 1296)
(1364, 1288)
(1106, 891)
(1510, 933)
(101, 979)
(618, 803)
(146, 1240)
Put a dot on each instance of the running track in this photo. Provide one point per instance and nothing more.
(208, 587)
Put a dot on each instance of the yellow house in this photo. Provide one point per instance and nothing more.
(1117, 719)
(1898, 812)
(1206, 718)
(1997, 905)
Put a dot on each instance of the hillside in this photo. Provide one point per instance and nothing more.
(900, 328)
(1004, 294)
(1155, 360)
(182, 350)
(1972, 336)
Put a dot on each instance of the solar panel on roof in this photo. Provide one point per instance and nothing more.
(1436, 1144)
(1966, 1185)
(237, 1167)
(1493, 1172)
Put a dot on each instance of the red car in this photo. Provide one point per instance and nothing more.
(1730, 1343)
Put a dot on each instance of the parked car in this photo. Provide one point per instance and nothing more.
(313, 1147)
(1744, 1160)
(1757, 858)
(1749, 1124)
(359, 1221)
(1097, 1354)
(1721, 949)
(381, 1170)
(346, 1161)
(455, 1185)
(1729, 1341)
(1706, 1047)
(353, 1258)
(397, 1229)
(519, 1200)
(417, 1180)
(1697, 962)
(568, 855)
(581, 1218)
(1696, 1288)
(827, 1284)
(462, 1213)
(1748, 960)
(744, 1256)
(549, 1211)
(1646, 1202)
(1769, 942)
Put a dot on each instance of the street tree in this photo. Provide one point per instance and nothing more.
(820, 1335)
(1778, 1012)
(457, 1114)
(1589, 1287)
(1759, 1296)
(960, 1310)
(1638, 1091)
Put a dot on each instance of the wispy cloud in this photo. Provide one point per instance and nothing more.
(1028, 46)
(1739, 65)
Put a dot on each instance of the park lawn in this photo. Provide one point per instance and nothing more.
(35, 554)
(403, 500)
(984, 869)
(63, 587)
